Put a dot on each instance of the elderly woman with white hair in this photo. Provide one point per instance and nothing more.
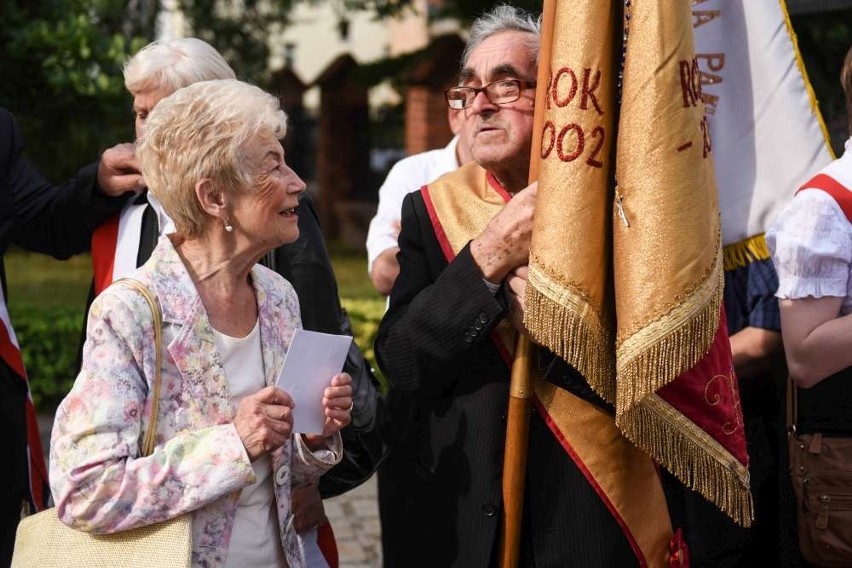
(225, 449)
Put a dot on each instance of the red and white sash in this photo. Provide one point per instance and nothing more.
(839, 192)
(115, 245)
(11, 354)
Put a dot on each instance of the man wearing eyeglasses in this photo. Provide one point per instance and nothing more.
(456, 304)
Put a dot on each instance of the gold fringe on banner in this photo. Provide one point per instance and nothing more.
(709, 469)
(565, 321)
(653, 357)
(746, 251)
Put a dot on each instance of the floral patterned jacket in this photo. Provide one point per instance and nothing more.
(99, 480)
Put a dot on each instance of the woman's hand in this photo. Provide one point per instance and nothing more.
(337, 405)
(264, 421)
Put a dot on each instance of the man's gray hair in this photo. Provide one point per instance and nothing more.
(174, 64)
(503, 18)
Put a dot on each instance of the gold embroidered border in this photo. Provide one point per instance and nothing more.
(691, 455)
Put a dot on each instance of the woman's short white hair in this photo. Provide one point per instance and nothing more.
(201, 132)
(503, 18)
(174, 64)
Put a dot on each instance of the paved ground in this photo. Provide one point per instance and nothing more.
(353, 515)
(355, 519)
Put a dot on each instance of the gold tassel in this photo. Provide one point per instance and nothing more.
(572, 338)
(647, 364)
(724, 483)
(746, 251)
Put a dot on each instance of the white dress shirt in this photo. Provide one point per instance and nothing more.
(406, 176)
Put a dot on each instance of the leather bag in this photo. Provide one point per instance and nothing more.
(43, 540)
(821, 474)
(364, 440)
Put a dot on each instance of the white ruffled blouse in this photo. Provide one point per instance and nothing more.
(811, 242)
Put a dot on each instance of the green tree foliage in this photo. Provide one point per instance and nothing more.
(61, 66)
(51, 335)
(61, 63)
(239, 30)
(824, 38)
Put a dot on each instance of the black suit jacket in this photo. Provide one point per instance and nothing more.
(306, 264)
(449, 400)
(50, 219)
(42, 217)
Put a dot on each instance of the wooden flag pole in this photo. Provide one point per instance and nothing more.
(515, 457)
(520, 388)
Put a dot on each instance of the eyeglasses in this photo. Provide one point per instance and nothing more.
(500, 92)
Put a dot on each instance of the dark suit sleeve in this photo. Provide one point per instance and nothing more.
(306, 264)
(440, 313)
(40, 216)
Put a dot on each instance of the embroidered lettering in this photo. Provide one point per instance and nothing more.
(690, 83)
(578, 149)
(589, 90)
(569, 140)
(705, 135)
(600, 134)
(572, 89)
(710, 102)
(715, 61)
(547, 131)
(701, 17)
(713, 391)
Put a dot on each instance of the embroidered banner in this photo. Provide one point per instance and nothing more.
(635, 270)
(767, 131)
(569, 305)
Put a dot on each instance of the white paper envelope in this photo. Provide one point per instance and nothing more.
(312, 359)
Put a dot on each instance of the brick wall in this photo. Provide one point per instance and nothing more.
(434, 72)
(426, 125)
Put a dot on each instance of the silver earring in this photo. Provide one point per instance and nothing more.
(229, 228)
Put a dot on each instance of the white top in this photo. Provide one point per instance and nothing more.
(254, 538)
(406, 176)
(811, 242)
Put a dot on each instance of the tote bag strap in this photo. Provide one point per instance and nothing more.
(792, 404)
(149, 441)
